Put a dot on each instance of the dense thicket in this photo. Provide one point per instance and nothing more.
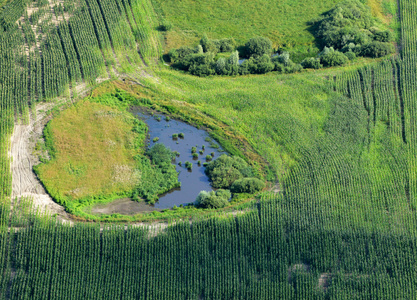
(350, 26)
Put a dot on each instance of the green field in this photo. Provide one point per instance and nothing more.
(338, 146)
(286, 23)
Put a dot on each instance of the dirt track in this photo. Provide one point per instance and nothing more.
(25, 183)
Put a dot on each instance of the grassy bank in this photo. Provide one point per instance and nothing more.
(92, 149)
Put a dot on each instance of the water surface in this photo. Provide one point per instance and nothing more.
(192, 182)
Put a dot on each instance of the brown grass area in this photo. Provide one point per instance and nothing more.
(378, 11)
(94, 152)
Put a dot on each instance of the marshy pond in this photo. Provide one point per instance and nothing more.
(162, 130)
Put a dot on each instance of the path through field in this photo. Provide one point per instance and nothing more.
(24, 182)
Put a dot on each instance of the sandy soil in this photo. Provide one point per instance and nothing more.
(123, 206)
(25, 182)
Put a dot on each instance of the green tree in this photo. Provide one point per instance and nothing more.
(258, 46)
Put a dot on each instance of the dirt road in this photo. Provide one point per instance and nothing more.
(25, 183)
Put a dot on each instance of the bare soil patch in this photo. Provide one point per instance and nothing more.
(25, 182)
(324, 280)
(297, 268)
(123, 206)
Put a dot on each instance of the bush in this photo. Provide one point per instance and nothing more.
(165, 26)
(350, 55)
(220, 66)
(207, 45)
(260, 64)
(334, 58)
(176, 55)
(233, 59)
(232, 64)
(202, 70)
(288, 68)
(283, 64)
(218, 199)
(161, 156)
(345, 23)
(214, 46)
(244, 68)
(352, 47)
(383, 36)
(283, 58)
(311, 63)
(377, 49)
(258, 46)
(247, 185)
(199, 64)
(227, 45)
(225, 170)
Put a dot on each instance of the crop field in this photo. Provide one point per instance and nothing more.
(337, 145)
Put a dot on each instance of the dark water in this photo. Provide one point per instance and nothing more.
(192, 182)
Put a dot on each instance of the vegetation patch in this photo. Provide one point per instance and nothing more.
(92, 149)
(98, 154)
(284, 22)
(346, 31)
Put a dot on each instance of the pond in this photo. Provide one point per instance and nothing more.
(194, 181)
(162, 130)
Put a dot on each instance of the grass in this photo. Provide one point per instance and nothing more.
(92, 148)
(284, 22)
(276, 114)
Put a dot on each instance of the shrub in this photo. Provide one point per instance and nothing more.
(161, 156)
(283, 58)
(350, 55)
(377, 49)
(334, 58)
(261, 64)
(232, 64)
(177, 55)
(283, 64)
(220, 66)
(227, 45)
(311, 63)
(244, 68)
(290, 67)
(352, 47)
(165, 26)
(205, 43)
(247, 185)
(208, 45)
(199, 49)
(197, 59)
(345, 23)
(218, 199)
(202, 70)
(188, 165)
(225, 170)
(383, 36)
(258, 46)
(233, 59)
